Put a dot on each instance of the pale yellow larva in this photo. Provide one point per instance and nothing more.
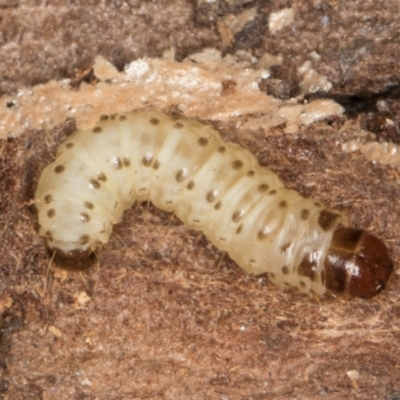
(219, 188)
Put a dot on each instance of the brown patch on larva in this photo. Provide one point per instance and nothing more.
(69, 145)
(327, 219)
(228, 87)
(302, 284)
(59, 168)
(84, 239)
(180, 176)
(127, 162)
(308, 267)
(84, 217)
(88, 205)
(272, 192)
(190, 185)
(116, 205)
(285, 270)
(122, 118)
(203, 141)
(154, 121)
(102, 177)
(239, 229)
(49, 235)
(317, 204)
(94, 184)
(113, 116)
(250, 173)
(48, 198)
(104, 117)
(237, 164)
(283, 204)
(263, 188)
(272, 275)
(221, 149)
(218, 205)
(156, 165)
(262, 233)
(179, 125)
(97, 129)
(147, 159)
(51, 213)
(211, 196)
(237, 215)
(305, 214)
(285, 247)
(117, 163)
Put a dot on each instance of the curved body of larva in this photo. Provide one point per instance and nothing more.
(219, 188)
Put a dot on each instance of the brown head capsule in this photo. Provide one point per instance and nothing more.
(357, 263)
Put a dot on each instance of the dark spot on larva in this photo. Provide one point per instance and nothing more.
(69, 145)
(308, 266)
(49, 235)
(104, 118)
(304, 214)
(302, 284)
(117, 163)
(127, 162)
(285, 270)
(327, 219)
(94, 184)
(221, 149)
(84, 217)
(83, 239)
(156, 165)
(59, 168)
(263, 188)
(285, 247)
(237, 164)
(262, 233)
(169, 202)
(286, 284)
(190, 185)
(250, 173)
(116, 205)
(239, 229)
(228, 87)
(48, 198)
(203, 141)
(147, 159)
(272, 275)
(154, 121)
(122, 118)
(181, 175)
(211, 196)
(51, 213)
(112, 116)
(272, 192)
(218, 205)
(237, 215)
(317, 204)
(97, 129)
(88, 205)
(283, 204)
(178, 125)
(102, 177)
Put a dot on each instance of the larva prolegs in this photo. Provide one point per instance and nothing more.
(183, 166)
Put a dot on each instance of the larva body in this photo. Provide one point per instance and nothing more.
(219, 188)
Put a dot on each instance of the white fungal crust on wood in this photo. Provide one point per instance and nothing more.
(184, 167)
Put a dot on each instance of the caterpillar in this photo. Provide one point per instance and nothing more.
(183, 166)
